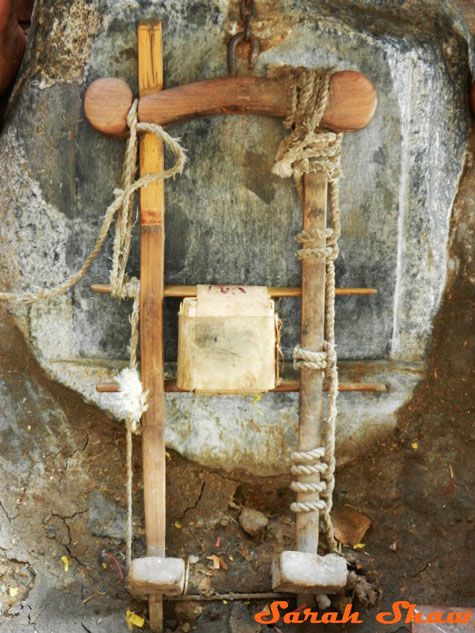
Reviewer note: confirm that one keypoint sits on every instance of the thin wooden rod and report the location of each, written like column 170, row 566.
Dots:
column 267, row 595
column 274, row 291
column 285, row 385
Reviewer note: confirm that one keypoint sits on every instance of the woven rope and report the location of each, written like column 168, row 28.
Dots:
column 307, row 149
column 304, row 358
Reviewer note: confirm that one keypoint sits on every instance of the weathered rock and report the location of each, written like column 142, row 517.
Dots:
column 106, row 518
column 156, row 574
column 401, row 173
column 188, row 610
column 253, row 522
column 301, row 572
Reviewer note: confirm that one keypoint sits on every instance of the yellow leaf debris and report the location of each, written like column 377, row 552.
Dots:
column 217, row 562
column 133, row 619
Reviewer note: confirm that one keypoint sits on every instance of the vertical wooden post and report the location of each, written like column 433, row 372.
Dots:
column 311, row 337
column 152, row 246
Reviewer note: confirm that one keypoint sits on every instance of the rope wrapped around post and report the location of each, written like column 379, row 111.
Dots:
column 132, row 401
column 309, row 149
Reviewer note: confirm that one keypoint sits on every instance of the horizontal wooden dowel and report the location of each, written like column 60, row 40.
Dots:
column 351, row 105
column 274, row 291
column 285, row 385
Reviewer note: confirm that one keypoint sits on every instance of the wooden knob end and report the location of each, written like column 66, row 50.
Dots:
column 106, row 105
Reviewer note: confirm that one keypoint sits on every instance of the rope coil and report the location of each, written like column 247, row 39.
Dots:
column 308, row 463
column 307, row 149
column 306, row 359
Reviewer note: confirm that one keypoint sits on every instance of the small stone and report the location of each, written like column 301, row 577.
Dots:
column 323, row 601
column 188, row 610
column 252, row 521
column 106, row 518
column 393, row 547
column 51, row 532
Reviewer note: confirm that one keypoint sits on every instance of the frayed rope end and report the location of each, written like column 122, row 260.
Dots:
column 131, row 399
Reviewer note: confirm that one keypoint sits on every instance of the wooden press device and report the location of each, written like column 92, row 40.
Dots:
column 351, row 106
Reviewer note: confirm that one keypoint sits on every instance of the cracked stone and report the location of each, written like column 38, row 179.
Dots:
column 106, row 518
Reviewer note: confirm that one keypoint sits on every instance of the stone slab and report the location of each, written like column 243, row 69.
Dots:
column 155, row 574
column 228, row 219
column 301, row 572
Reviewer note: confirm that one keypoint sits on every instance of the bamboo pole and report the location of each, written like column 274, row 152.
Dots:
column 152, row 247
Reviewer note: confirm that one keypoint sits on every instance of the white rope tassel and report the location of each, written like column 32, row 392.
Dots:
column 131, row 399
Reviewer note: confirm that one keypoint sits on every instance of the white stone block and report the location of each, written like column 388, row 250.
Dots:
column 299, row 572
column 155, row 574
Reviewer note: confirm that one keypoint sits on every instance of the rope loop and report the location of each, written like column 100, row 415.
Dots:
column 309, row 148
column 320, row 253
column 316, row 234
column 308, row 506
column 299, row 457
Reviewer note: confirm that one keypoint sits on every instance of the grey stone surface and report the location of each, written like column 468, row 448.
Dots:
column 228, row 219
column 105, row 517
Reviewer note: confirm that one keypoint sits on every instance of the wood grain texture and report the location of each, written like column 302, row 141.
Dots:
column 285, row 385
column 109, row 111
column 274, row 291
column 351, row 106
column 152, row 247
column 311, row 338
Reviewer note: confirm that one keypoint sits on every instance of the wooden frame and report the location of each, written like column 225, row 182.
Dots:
column 351, row 106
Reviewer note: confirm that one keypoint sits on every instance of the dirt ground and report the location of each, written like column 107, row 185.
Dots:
column 62, row 496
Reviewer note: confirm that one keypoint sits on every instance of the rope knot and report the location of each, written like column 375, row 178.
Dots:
column 307, row 148
column 306, row 359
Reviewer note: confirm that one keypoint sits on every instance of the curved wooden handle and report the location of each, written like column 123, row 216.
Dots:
column 351, row 105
